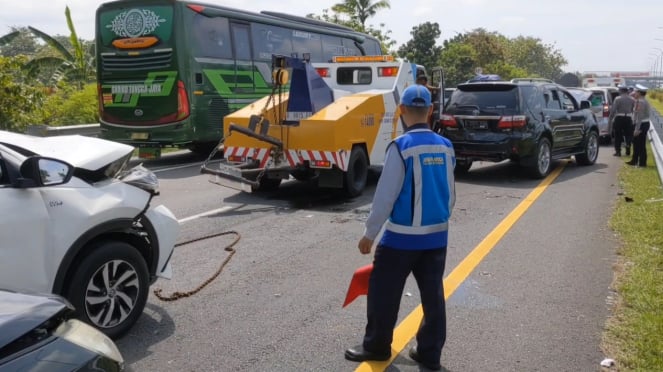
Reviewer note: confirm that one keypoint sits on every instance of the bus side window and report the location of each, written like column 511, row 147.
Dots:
column 350, row 48
column 307, row 42
column 211, row 37
column 268, row 40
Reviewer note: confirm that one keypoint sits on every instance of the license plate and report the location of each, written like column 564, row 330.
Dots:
column 140, row 136
column 477, row 124
column 149, row 152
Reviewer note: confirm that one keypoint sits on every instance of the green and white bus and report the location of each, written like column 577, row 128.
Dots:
column 170, row 70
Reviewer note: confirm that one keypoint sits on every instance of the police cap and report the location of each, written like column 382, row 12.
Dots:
column 641, row 88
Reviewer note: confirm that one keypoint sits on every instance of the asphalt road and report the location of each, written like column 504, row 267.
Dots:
column 537, row 302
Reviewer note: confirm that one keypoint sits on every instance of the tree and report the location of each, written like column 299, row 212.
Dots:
column 18, row 42
column 360, row 10
column 17, row 99
column 537, row 58
column 383, row 35
column 77, row 67
column 422, row 48
column 496, row 54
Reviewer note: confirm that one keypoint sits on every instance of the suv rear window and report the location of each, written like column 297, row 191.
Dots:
column 490, row 99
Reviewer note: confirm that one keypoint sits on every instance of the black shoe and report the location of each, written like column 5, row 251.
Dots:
column 631, row 163
column 617, row 154
column 417, row 358
column 358, row 354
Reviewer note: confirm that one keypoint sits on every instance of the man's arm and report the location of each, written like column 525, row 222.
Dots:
column 386, row 192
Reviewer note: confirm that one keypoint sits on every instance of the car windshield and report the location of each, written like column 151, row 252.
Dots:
column 489, row 99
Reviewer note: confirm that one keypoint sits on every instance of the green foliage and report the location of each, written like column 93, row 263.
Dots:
column 496, row 54
column 69, row 106
column 17, row 99
column 633, row 334
column 360, row 10
column 422, row 48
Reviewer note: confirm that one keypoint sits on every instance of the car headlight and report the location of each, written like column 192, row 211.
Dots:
column 142, row 178
column 85, row 336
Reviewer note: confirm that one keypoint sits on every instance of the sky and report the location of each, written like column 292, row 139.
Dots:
column 593, row 35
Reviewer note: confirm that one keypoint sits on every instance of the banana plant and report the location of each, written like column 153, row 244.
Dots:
column 77, row 67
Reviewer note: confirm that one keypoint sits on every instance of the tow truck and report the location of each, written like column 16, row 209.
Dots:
column 330, row 123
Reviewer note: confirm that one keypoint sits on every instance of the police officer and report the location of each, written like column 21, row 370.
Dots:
column 641, row 122
column 621, row 112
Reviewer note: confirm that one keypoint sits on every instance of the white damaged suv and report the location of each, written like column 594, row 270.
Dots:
column 75, row 222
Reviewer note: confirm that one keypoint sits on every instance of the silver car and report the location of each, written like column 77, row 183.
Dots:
column 601, row 99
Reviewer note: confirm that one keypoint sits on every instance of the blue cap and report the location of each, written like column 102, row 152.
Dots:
column 416, row 96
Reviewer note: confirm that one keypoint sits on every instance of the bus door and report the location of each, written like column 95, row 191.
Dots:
column 244, row 71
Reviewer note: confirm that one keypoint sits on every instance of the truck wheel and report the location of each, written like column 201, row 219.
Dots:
column 543, row 159
column 109, row 287
column 355, row 178
column 591, row 152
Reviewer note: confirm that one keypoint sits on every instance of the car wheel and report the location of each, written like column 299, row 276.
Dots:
column 357, row 173
column 543, row 159
column 109, row 287
column 588, row 157
column 462, row 166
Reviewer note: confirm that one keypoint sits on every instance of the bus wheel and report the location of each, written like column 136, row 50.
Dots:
column 357, row 174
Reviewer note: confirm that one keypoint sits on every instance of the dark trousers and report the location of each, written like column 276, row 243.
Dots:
column 640, row 146
column 391, row 268
column 623, row 133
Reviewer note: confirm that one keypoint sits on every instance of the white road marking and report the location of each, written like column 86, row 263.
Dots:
column 205, row 214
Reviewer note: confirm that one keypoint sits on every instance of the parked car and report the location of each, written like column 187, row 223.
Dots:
column 530, row 122
column 38, row 333
column 608, row 95
column 600, row 106
column 74, row 222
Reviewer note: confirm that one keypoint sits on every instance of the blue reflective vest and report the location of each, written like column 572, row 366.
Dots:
column 419, row 218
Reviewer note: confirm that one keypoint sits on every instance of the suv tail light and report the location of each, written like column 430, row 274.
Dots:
column 606, row 111
column 512, row 122
column 448, row 121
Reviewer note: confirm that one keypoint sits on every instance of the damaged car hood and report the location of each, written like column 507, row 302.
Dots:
column 88, row 153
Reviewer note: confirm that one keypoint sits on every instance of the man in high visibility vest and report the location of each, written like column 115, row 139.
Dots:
column 414, row 196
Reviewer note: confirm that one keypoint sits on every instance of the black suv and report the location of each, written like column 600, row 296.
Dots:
column 528, row 121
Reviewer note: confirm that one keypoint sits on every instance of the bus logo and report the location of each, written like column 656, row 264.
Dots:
column 135, row 23
column 138, row 112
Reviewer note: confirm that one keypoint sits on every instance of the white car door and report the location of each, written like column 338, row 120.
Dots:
column 23, row 234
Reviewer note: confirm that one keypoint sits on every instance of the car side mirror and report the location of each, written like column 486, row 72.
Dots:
column 39, row 171
column 585, row 105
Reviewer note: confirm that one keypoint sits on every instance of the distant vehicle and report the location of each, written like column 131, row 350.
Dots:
column 529, row 122
column 601, row 100
column 170, row 71
column 602, row 81
column 75, row 222
column 38, row 333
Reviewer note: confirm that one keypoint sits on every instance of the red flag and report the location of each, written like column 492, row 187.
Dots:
column 358, row 284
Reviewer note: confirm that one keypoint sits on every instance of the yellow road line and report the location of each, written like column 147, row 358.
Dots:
column 407, row 329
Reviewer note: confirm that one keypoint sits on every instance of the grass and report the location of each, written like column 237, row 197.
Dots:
column 634, row 334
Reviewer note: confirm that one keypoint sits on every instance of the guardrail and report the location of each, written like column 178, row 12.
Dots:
column 655, row 140
column 41, row 130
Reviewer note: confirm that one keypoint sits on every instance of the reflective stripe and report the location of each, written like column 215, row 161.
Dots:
column 417, row 230
column 427, row 149
column 417, row 208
